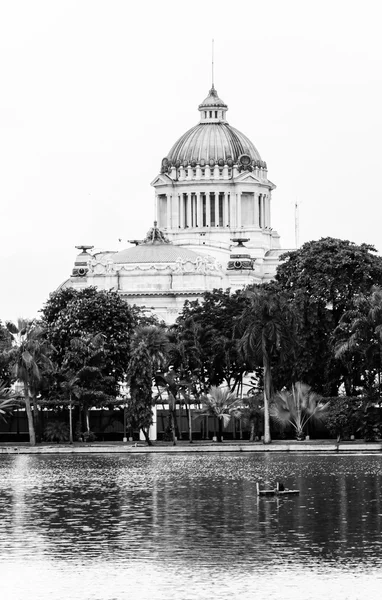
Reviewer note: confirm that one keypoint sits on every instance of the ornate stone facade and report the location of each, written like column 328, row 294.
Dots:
column 213, row 189
column 213, row 206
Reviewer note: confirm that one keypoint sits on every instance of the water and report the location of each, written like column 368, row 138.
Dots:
column 115, row 527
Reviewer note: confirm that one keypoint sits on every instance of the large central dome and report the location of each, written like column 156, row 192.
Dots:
column 212, row 141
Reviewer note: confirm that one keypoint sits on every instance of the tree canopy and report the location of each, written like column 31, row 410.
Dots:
column 76, row 314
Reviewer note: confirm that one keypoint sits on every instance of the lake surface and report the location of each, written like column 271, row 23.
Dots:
column 115, row 527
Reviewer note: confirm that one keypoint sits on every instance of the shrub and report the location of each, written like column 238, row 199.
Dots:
column 56, row 431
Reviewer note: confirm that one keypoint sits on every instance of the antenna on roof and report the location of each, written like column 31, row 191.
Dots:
column 296, row 224
column 212, row 63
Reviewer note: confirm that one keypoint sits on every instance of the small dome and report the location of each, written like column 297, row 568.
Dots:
column 154, row 253
column 155, row 248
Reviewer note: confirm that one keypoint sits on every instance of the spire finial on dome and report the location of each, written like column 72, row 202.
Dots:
column 213, row 87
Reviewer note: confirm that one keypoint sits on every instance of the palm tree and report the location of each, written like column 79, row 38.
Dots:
column 82, row 370
column 266, row 326
column 29, row 357
column 250, row 412
column 297, row 407
column 219, row 403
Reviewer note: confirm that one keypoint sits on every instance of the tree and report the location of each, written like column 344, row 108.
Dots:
column 6, row 340
column 81, row 376
column 322, row 278
column 297, row 407
column 250, row 413
column 205, row 339
column 219, row 403
column 267, row 330
column 359, row 340
column 82, row 314
column 29, row 357
column 174, row 388
column 343, row 416
column 149, row 349
column 7, row 401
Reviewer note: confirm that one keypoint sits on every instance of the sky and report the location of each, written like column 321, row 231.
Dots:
column 94, row 93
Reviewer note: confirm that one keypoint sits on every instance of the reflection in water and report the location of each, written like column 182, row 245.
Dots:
column 191, row 526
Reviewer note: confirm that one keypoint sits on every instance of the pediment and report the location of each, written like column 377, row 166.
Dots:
column 248, row 177
column 161, row 179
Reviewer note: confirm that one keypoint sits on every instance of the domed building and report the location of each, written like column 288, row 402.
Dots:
column 213, row 228
column 213, row 189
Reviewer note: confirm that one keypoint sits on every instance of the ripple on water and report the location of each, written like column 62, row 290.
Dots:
column 165, row 520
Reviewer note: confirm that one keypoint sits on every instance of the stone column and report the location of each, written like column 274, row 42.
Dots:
column 156, row 211
column 264, row 213
column 199, row 212
column 238, row 196
column 208, row 210
column 188, row 204
column 256, row 200
column 226, row 210
column 175, row 211
column 181, row 211
column 169, row 212
column 232, row 210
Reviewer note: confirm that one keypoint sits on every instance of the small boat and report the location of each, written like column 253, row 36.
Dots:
column 279, row 490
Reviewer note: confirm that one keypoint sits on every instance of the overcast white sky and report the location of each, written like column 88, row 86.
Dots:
column 93, row 94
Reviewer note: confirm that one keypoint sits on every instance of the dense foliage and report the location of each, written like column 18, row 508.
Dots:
column 323, row 278
column 319, row 323
column 71, row 315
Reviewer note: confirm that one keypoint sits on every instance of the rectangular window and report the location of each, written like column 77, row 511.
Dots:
column 210, row 114
column 204, row 210
column 216, row 114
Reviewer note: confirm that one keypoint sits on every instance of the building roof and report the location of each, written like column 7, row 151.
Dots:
column 156, row 252
column 211, row 141
column 212, row 100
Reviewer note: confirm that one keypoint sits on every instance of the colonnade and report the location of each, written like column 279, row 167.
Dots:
column 213, row 209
